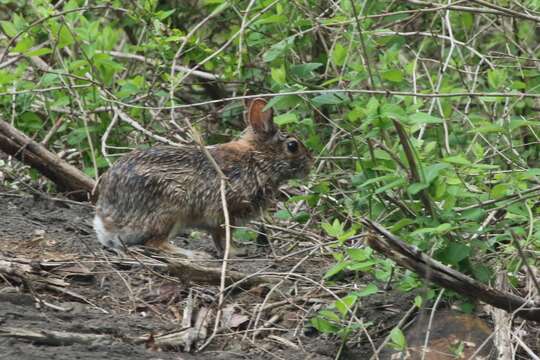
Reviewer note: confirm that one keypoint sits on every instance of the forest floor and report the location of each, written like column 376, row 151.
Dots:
column 67, row 298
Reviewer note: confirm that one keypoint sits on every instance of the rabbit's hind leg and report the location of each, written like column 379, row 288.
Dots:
column 169, row 248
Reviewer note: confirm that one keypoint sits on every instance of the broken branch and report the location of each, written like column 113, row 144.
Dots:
column 413, row 259
column 67, row 177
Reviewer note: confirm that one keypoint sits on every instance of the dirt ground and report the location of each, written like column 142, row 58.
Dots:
column 71, row 299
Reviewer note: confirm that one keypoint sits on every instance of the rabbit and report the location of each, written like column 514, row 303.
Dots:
column 148, row 196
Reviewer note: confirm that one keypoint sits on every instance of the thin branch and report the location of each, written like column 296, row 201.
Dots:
column 363, row 45
column 179, row 68
column 333, row 91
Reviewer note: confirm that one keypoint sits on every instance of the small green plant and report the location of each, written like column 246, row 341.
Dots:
column 336, row 318
column 397, row 340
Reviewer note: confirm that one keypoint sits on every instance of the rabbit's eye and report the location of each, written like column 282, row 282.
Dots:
column 292, row 146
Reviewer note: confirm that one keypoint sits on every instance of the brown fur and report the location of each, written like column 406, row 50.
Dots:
column 148, row 195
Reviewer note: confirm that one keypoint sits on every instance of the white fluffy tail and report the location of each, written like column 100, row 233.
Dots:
column 105, row 237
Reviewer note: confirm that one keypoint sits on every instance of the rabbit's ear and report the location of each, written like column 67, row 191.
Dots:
column 261, row 121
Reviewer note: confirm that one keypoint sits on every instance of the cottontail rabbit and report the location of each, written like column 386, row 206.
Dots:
column 149, row 195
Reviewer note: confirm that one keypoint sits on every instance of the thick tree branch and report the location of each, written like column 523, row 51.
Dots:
column 413, row 259
column 65, row 176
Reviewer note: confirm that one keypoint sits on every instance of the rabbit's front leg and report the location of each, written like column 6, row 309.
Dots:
column 163, row 244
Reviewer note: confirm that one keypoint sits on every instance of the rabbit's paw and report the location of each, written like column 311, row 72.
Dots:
column 189, row 254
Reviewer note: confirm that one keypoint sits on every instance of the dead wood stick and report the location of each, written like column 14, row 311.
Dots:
column 432, row 270
column 55, row 338
column 188, row 271
column 65, row 176
column 187, row 336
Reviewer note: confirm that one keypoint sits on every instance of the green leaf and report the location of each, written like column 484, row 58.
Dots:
column 89, row 171
column 516, row 123
column 497, row 78
column 438, row 230
column 278, row 49
column 401, row 224
column 457, row 159
column 356, row 114
column 101, row 162
column 244, row 235
column 283, row 214
column 443, row 228
column 39, row 52
column 455, row 252
column 393, row 76
column 304, row 71
column 474, row 214
column 518, row 85
column 531, row 172
column 8, row 28
column 391, row 185
column 279, row 75
column 302, row 217
column 6, row 77
column 370, row 289
column 272, row 19
column 416, row 188
column 398, row 339
column 344, row 305
column 393, row 111
column 359, row 254
column 378, row 179
column 223, row 5
column 424, row 118
column 329, row 99
column 106, row 62
column 73, row 16
column 162, row 15
column 65, row 38
column 334, row 270
column 76, row 136
column 24, row 44
column 339, row 54
column 346, row 235
column 362, row 266
column 372, row 106
column 284, row 102
column 487, row 129
column 30, row 121
column 335, row 230
column 433, row 171
column 322, row 325
column 330, row 315
column 288, row 118
column 482, row 273
column 499, row 190
column 418, row 300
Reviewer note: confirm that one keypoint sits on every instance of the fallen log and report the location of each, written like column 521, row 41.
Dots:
column 413, row 259
column 56, row 338
column 182, row 269
column 67, row 177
